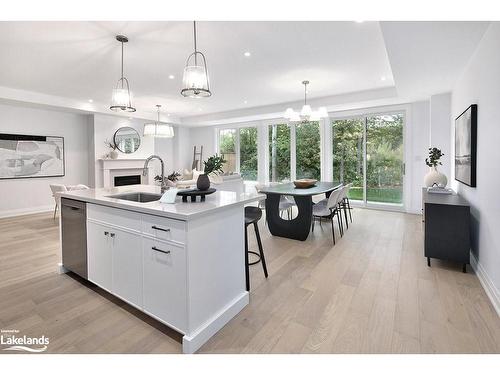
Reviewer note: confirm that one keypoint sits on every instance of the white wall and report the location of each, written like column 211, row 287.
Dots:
column 480, row 84
column 440, row 129
column 104, row 127
column 33, row 194
column 417, row 145
column 202, row 136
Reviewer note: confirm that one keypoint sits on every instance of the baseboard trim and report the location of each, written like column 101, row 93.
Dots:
column 26, row 211
column 191, row 343
column 488, row 286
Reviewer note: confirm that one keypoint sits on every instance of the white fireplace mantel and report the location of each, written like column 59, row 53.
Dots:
column 112, row 168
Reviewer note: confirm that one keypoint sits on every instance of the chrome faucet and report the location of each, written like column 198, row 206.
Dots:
column 145, row 170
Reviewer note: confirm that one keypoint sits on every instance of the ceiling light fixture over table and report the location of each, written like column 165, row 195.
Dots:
column 157, row 129
column 122, row 97
column 195, row 81
column 306, row 114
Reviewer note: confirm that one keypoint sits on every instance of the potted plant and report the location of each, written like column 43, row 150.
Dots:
column 113, row 154
column 171, row 179
column 434, row 177
column 213, row 165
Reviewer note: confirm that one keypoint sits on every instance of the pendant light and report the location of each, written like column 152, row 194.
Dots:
column 157, row 129
column 306, row 114
column 122, row 97
column 195, row 80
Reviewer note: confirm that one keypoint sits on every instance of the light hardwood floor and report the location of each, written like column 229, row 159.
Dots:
column 370, row 293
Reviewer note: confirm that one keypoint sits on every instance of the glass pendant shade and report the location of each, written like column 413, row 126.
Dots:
column 121, row 99
column 157, row 129
column 195, row 81
column 306, row 114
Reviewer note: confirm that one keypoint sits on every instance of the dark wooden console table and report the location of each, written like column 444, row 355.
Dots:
column 447, row 227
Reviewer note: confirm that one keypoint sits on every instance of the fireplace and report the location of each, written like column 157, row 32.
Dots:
column 127, row 180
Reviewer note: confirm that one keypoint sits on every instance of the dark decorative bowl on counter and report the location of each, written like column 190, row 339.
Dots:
column 203, row 182
column 305, row 183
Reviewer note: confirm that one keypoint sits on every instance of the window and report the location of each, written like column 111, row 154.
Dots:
column 227, row 149
column 368, row 152
column 308, row 159
column 347, row 136
column 248, row 153
column 279, row 152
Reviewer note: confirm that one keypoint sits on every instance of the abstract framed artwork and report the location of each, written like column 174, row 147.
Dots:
column 466, row 146
column 31, row 156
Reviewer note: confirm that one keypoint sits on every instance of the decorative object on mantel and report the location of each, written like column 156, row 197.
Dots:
column 213, row 165
column 305, row 183
column 113, row 154
column 306, row 114
column 127, row 140
column 195, row 80
column 193, row 193
column 434, row 177
column 466, row 146
column 122, row 97
column 158, row 129
column 170, row 180
column 23, row 156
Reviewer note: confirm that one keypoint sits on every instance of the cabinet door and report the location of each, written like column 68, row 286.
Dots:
column 99, row 255
column 127, row 266
column 165, row 282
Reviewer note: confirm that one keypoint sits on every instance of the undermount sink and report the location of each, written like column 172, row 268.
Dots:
column 138, row 197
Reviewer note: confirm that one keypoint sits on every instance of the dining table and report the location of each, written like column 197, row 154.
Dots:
column 296, row 228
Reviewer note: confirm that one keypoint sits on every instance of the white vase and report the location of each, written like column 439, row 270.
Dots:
column 113, row 154
column 435, row 178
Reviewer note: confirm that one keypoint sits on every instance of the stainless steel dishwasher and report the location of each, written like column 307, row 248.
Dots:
column 74, row 236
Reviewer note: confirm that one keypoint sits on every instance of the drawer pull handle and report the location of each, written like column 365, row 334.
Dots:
column 112, row 234
column 162, row 229
column 161, row 251
column 106, row 233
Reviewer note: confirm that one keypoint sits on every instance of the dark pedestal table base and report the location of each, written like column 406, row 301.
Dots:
column 296, row 229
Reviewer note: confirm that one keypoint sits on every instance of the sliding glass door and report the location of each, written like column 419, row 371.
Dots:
column 368, row 152
column 384, row 159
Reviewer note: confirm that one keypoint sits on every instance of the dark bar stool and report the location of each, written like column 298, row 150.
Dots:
column 252, row 216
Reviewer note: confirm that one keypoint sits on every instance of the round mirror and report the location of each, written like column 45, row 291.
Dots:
column 127, row 140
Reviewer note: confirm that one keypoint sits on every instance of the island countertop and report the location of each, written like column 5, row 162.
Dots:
column 227, row 195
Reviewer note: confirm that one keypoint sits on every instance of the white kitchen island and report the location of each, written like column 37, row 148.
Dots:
column 182, row 263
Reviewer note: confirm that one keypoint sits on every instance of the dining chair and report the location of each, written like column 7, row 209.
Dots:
column 328, row 209
column 285, row 203
column 346, row 205
column 56, row 189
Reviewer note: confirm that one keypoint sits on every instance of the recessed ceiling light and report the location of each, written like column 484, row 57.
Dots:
column 199, row 109
column 247, row 54
column 383, row 78
column 168, row 114
column 171, row 76
column 91, row 101
column 359, row 21
column 245, row 101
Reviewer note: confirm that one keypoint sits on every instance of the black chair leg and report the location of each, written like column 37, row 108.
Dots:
column 349, row 206
column 247, row 271
column 345, row 214
column 261, row 250
column 313, row 223
column 339, row 220
column 333, row 232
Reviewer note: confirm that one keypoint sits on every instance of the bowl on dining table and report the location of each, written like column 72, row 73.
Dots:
column 305, row 183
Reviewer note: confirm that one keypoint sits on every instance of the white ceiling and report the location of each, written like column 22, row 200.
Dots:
column 80, row 60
